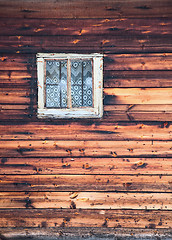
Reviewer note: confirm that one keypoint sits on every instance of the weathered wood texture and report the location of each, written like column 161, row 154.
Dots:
column 85, row 9
column 86, row 27
column 86, row 233
column 105, row 35
column 144, row 72
column 85, row 35
column 113, row 172
column 85, row 165
column 118, row 183
column 85, row 148
column 159, row 131
column 99, row 43
column 86, row 200
column 85, row 218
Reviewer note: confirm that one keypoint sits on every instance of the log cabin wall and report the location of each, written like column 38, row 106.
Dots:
column 113, row 172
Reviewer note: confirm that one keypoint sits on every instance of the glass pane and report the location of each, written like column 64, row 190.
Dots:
column 81, row 83
column 87, row 84
column 56, row 84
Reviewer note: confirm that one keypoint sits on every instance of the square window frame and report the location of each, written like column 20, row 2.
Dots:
column 86, row 112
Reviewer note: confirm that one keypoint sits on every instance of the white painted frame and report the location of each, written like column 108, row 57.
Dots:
column 87, row 112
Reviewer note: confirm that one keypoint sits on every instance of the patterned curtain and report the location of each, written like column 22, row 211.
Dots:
column 81, row 83
column 56, row 84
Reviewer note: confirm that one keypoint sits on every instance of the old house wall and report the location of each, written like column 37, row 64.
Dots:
column 110, row 172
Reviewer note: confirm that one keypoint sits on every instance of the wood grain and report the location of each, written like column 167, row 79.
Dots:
column 49, row 148
column 126, row 183
column 79, row 26
column 85, row 9
column 143, row 79
column 138, row 62
column 86, row 200
column 132, row 112
column 70, row 232
column 85, row 165
column 140, row 95
column 99, row 43
column 114, row 172
column 85, row 218
column 93, row 131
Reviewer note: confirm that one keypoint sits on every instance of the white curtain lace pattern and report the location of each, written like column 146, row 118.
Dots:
column 56, row 84
column 81, row 84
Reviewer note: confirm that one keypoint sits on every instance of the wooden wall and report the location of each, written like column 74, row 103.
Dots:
column 114, row 172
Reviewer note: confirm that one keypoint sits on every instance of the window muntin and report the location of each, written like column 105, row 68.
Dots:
column 70, row 85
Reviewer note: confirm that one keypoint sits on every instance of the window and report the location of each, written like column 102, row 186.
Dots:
column 70, row 85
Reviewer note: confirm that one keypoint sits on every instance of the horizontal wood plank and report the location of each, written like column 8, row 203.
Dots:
column 132, row 112
column 131, row 108
column 142, row 78
column 93, row 131
column 84, row 232
column 18, row 98
column 79, row 26
column 49, row 148
column 15, row 76
column 87, row 200
column 99, row 43
column 84, row 165
column 140, row 95
column 138, row 116
column 138, row 62
column 85, row 9
column 127, row 183
column 85, row 218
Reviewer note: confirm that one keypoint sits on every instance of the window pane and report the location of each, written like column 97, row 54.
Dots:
column 56, row 84
column 87, row 84
column 81, row 83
